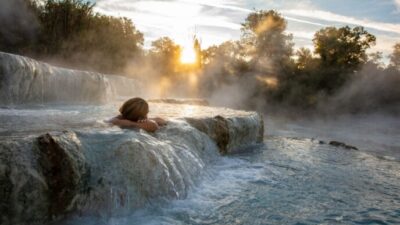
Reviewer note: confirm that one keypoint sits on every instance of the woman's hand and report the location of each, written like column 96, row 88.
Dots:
column 143, row 120
column 122, row 122
column 147, row 125
column 160, row 121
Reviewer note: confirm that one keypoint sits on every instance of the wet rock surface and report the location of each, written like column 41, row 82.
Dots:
column 216, row 128
column 231, row 133
column 64, row 168
column 23, row 191
column 342, row 145
column 93, row 168
column 44, row 178
column 40, row 178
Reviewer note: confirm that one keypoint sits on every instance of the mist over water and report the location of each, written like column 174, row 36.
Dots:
column 17, row 23
column 294, row 176
column 284, row 181
column 377, row 134
column 177, row 176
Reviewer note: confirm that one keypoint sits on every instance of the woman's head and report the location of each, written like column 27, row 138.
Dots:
column 134, row 109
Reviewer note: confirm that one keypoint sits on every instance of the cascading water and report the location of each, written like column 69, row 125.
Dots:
column 60, row 159
column 24, row 80
column 63, row 164
column 96, row 169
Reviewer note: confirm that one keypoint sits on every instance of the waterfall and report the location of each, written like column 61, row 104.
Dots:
column 24, row 80
column 111, row 171
column 59, row 160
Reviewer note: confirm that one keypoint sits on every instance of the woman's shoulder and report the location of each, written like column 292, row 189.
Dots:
column 113, row 119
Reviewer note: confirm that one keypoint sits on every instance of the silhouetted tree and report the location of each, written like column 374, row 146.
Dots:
column 305, row 60
column 262, row 63
column 165, row 55
column 71, row 34
column 342, row 52
column 19, row 25
column 343, row 48
column 268, row 46
column 395, row 57
column 197, row 50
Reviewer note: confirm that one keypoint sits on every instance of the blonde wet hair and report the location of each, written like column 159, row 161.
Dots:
column 134, row 109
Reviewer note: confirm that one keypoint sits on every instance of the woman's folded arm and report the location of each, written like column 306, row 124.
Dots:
column 147, row 125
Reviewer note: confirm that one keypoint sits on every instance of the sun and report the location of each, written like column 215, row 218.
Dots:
column 188, row 55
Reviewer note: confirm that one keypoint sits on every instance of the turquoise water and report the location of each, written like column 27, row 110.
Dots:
column 284, row 181
column 290, row 179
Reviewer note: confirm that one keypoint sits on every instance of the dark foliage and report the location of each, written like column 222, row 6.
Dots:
column 261, row 69
column 68, row 32
column 337, row 76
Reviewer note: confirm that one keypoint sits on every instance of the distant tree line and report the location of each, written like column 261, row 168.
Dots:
column 262, row 65
column 71, row 33
column 337, row 75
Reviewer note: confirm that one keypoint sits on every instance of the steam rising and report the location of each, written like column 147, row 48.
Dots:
column 372, row 90
column 17, row 22
column 258, row 72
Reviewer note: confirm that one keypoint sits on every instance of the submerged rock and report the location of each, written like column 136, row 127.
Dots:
column 342, row 145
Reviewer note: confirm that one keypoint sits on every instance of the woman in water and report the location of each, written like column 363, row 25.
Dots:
column 134, row 115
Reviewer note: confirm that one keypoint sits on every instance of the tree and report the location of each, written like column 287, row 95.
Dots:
column 73, row 33
column 70, row 33
column 395, row 56
column 342, row 51
column 165, row 54
column 269, row 47
column 226, row 59
column 61, row 21
column 197, row 50
column 375, row 60
column 343, row 48
column 19, row 25
column 305, row 60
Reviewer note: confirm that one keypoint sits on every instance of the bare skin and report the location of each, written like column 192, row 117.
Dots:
column 149, row 125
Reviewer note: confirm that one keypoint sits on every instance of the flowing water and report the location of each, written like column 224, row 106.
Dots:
column 287, row 180
column 176, row 176
column 24, row 81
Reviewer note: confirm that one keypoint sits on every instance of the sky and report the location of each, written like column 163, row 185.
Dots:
column 216, row 21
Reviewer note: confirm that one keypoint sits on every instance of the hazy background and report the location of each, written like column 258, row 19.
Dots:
column 296, row 58
column 216, row 21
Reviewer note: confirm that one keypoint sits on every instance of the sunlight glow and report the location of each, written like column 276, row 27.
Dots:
column 216, row 21
column 188, row 55
column 189, row 110
column 161, row 89
column 270, row 81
